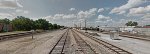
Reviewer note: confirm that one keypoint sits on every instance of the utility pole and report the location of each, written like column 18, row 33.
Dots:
column 80, row 24
column 85, row 26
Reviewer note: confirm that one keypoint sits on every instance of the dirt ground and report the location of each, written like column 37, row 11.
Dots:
column 41, row 44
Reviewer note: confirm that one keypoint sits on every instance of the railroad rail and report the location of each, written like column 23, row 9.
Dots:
column 111, row 47
column 139, row 38
column 85, row 48
column 10, row 36
column 59, row 47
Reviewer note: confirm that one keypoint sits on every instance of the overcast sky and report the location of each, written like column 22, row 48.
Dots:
column 69, row 12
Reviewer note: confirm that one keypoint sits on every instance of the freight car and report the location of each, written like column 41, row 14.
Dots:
column 1, row 27
column 6, row 28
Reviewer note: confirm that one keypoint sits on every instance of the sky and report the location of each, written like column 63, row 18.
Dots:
column 70, row 12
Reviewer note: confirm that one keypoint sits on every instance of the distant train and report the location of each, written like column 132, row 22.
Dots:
column 6, row 27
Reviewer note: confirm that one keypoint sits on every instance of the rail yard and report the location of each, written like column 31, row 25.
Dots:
column 70, row 41
column 74, row 26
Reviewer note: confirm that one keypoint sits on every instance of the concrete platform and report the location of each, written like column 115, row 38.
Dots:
column 134, row 46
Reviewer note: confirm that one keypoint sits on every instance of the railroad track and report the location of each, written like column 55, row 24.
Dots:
column 139, row 38
column 5, row 37
column 11, row 36
column 59, row 47
column 84, row 47
column 111, row 47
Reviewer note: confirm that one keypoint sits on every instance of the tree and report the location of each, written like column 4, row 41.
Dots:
column 147, row 25
column 42, row 24
column 55, row 26
column 23, row 23
column 5, row 21
column 130, row 23
column 50, row 26
column 135, row 23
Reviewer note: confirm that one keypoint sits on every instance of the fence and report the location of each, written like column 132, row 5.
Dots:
column 140, row 31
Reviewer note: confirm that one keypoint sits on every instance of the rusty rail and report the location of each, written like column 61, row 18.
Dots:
column 58, row 48
column 114, row 48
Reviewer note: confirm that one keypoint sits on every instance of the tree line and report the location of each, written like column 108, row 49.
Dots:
column 21, row 23
column 131, row 23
